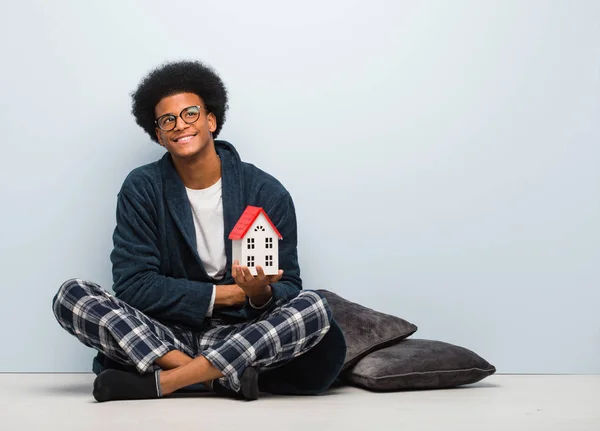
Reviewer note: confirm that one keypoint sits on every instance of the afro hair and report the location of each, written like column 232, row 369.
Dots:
column 174, row 78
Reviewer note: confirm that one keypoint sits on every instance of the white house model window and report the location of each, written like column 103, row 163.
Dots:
column 254, row 241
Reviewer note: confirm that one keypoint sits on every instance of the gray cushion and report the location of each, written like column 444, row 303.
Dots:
column 419, row 364
column 365, row 330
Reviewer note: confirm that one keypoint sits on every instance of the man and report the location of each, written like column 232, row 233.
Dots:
column 183, row 313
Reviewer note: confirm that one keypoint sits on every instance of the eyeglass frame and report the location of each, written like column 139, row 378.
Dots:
column 200, row 108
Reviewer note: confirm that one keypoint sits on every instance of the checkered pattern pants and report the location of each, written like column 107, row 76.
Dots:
column 126, row 335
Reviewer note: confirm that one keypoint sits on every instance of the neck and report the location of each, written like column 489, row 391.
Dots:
column 201, row 171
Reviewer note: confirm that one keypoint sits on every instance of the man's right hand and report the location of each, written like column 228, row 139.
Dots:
column 229, row 295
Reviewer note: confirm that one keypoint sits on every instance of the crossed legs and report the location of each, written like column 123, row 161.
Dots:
column 229, row 355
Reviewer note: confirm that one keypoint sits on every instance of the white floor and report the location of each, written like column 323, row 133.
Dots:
column 501, row 402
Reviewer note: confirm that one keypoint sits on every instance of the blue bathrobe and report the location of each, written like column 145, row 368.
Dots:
column 157, row 269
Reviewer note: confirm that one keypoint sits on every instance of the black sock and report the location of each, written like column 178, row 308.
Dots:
column 120, row 385
column 249, row 383
column 248, row 390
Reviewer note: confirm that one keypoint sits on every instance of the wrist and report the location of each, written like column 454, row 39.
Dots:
column 262, row 298
column 229, row 295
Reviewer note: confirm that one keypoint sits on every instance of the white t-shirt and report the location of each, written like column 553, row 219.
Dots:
column 207, row 212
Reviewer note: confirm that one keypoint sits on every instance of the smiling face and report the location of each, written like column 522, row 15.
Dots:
column 185, row 141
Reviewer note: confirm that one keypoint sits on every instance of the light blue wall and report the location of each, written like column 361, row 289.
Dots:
column 444, row 157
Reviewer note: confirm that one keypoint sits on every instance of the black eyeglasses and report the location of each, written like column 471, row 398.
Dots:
column 189, row 115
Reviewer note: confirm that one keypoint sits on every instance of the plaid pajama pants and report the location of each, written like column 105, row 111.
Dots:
column 126, row 335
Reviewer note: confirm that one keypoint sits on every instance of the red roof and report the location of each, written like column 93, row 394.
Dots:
column 245, row 222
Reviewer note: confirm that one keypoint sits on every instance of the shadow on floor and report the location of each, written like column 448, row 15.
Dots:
column 471, row 387
column 85, row 389
column 69, row 390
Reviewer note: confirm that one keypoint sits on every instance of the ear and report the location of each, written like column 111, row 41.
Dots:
column 159, row 136
column 212, row 122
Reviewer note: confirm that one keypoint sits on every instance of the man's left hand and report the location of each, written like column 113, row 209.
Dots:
column 256, row 287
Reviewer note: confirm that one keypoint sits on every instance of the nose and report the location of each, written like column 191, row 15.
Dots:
column 180, row 124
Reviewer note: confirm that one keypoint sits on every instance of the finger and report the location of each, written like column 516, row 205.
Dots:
column 277, row 277
column 239, row 270
column 260, row 273
column 238, row 280
column 245, row 273
column 249, row 276
column 237, row 273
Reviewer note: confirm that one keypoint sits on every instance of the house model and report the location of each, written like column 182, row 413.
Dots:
column 255, row 241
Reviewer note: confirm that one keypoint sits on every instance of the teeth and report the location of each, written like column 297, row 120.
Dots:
column 184, row 139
